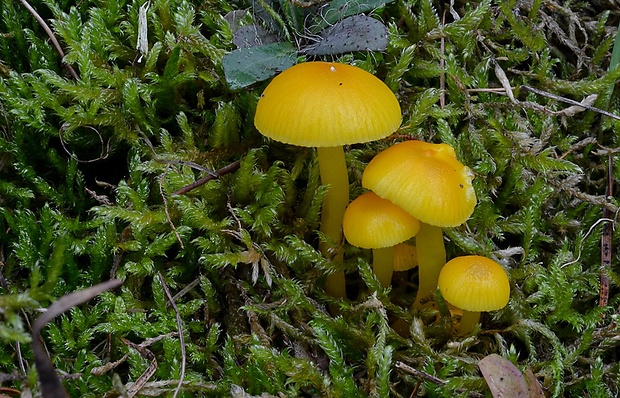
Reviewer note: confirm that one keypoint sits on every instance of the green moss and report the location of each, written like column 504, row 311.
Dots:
column 90, row 171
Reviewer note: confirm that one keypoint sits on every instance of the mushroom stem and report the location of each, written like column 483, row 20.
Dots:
column 383, row 265
column 431, row 257
column 469, row 320
column 333, row 169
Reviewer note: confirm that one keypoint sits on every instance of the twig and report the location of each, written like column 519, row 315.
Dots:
column 442, row 63
column 432, row 379
column 50, row 34
column 102, row 199
column 188, row 163
column 606, row 239
column 148, row 372
column 9, row 390
column 159, row 388
column 569, row 101
column 176, row 162
column 224, row 170
column 105, row 368
column 578, row 146
column 498, row 90
column 180, row 330
column 186, row 289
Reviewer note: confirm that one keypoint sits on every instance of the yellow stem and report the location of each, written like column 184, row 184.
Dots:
column 333, row 169
column 383, row 264
column 431, row 258
column 469, row 320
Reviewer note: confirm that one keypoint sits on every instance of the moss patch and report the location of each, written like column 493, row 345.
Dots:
column 94, row 176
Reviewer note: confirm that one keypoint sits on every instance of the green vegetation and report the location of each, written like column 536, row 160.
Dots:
column 91, row 168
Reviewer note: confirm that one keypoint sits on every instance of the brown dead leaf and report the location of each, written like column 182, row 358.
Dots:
column 505, row 380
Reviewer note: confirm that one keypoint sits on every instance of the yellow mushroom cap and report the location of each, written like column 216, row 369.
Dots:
column 405, row 257
column 373, row 223
column 326, row 104
column 426, row 180
column 474, row 283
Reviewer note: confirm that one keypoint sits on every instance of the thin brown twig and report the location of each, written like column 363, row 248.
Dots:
column 442, row 62
column 136, row 387
column 569, row 101
column 431, row 378
column 606, row 239
column 498, row 90
column 52, row 37
column 105, row 368
column 180, row 330
column 224, row 170
column 186, row 289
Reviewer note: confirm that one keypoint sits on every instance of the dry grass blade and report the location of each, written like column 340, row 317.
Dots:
column 105, row 368
column 51, row 35
column 224, row 170
column 503, row 79
column 135, row 388
column 606, row 248
column 180, row 330
column 428, row 377
column 569, row 101
column 51, row 386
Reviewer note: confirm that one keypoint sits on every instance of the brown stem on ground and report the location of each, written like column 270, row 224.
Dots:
column 51, row 35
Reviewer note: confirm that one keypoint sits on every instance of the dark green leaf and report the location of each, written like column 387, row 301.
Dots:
column 247, row 66
column 356, row 33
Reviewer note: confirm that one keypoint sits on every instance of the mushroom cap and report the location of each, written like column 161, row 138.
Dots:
column 474, row 283
column 326, row 104
column 373, row 223
column 426, row 180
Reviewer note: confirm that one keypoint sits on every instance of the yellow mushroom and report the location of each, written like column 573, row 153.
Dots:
column 405, row 257
column 328, row 105
column 474, row 284
column 428, row 182
column 378, row 224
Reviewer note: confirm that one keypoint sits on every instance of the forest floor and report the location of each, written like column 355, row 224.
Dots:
column 129, row 155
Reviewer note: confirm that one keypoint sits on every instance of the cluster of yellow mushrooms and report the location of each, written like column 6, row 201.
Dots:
column 414, row 188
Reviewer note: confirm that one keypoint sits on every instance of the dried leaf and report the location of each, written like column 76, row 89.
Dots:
column 575, row 109
column 503, row 378
column 501, row 76
column 142, row 44
column 533, row 386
